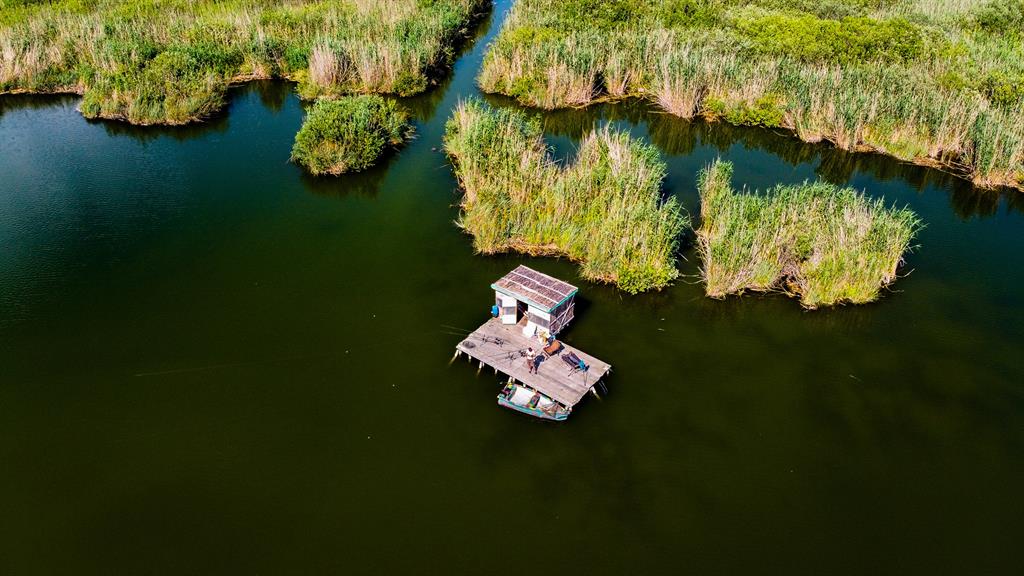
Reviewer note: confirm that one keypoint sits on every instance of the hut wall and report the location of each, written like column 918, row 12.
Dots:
column 508, row 308
column 539, row 317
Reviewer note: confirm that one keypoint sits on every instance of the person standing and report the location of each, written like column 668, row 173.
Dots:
column 531, row 357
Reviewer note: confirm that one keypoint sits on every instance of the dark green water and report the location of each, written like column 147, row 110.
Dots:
column 212, row 364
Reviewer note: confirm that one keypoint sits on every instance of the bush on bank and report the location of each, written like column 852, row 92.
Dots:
column 349, row 134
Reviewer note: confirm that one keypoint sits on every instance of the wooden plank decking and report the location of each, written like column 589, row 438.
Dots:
column 500, row 346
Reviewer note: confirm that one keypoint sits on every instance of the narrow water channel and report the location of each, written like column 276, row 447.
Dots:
column 211, row 363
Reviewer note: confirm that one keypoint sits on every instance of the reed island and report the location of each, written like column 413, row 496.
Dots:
column 603, row 210
column 349, row 134
column 938, row 83
column 171, row 61
column 824, row 244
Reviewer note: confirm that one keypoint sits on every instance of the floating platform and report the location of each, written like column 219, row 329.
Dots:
column 503, row 348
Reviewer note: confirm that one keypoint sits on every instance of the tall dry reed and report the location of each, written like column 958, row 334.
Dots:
column 823, row 244
column 171, row 61
column 935, row 83
column 604, row 210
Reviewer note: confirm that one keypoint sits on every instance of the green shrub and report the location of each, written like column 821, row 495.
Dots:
column 690, row 13
column 766, row 111
column 1002, row 17
column 1004, row 89
column 602, row 14
column 833, row 9
column 713, row 108
column 349, row 134
column 850, row 40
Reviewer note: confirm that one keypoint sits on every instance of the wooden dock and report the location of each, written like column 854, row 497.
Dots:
column 503, row 348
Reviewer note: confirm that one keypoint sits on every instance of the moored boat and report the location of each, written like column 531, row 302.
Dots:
column 532, row 402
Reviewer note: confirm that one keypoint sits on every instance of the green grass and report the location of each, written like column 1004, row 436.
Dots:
column 349, row 134
column 171, row 61
column 939, row 82
column 604, row 210
column 824, row 244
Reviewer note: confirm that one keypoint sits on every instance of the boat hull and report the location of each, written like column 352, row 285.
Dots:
column 535, row 412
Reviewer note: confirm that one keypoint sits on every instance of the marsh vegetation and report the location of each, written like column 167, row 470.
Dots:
column 940, row 83
column 171, row 61
column 349, row 134
column 825, row 244
column 603, row 210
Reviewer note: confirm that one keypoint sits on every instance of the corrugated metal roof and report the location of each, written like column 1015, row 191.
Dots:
column 532, row 287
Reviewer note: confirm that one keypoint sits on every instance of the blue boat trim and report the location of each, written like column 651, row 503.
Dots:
column 558, row 417
column 555, row 411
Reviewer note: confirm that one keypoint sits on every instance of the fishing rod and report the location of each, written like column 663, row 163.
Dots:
column 457, row 331
column 466, row 330
column 507, row 354
column 481, row 337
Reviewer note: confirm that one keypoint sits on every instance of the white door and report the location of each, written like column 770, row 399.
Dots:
column 508, row 310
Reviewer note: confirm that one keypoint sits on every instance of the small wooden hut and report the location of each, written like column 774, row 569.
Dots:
column 539, row 302
column 530, row 309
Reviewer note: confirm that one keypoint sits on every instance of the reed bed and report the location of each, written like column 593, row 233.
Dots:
column 349, row 134
column 938, row 83
column 604, row 210
column 171, row 61
column 823, row 244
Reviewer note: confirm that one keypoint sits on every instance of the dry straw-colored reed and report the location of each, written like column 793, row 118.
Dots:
column 824, row 244
column 603, row 210
column 939, row 83
column 171, row 61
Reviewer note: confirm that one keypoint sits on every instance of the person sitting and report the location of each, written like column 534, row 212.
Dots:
column 534, row 400
column 553, row 348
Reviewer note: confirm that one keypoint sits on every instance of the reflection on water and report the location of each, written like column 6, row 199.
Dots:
column 674, row 136
column 424, row 106
column 365, row 183
column 970, row 202
column 10, row 102
column 273, row 95
column 217, row 123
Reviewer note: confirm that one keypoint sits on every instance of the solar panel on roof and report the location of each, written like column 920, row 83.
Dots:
column 536, row 287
